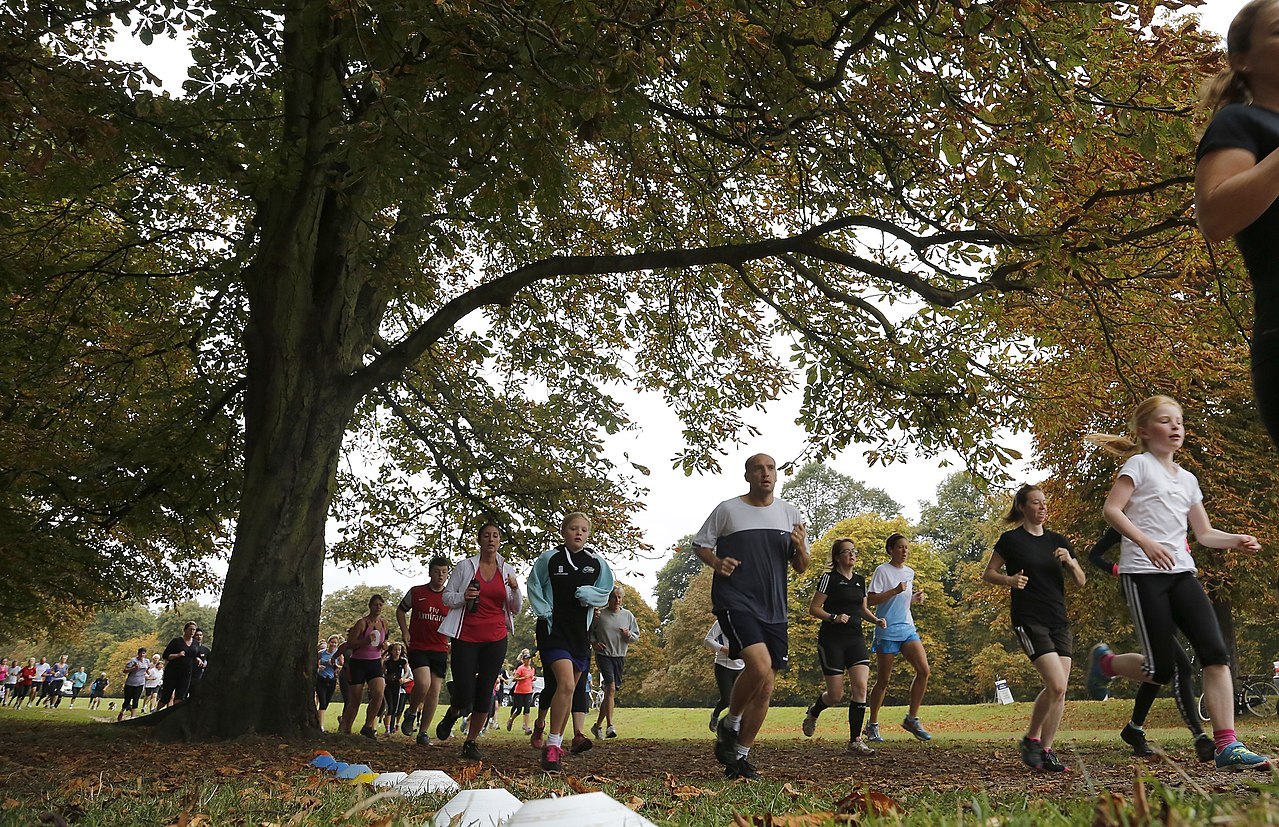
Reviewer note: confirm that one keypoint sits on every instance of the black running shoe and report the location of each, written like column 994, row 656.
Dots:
column 725, row 744
column 741, row 768
column 1136, row 738
column 1051, row 763
column 1205, row 749
column 471, row 751
column 410, row 720
column 1032, row 753
column 445, row 727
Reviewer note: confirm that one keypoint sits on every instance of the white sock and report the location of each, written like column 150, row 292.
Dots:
column 742, row 752
column 555, row 740
column 733, row 721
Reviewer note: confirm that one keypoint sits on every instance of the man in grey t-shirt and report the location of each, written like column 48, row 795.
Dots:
column 612, row 632
column 748, row 541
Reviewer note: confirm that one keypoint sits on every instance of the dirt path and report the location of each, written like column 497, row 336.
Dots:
column 34, row 757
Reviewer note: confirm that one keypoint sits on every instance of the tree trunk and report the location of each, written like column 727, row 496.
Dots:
column 261, row 674
column 312, row 315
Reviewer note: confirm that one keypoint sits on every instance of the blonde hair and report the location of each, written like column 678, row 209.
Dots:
column 1131, row 443
column 1230, row 86
column 576, row 515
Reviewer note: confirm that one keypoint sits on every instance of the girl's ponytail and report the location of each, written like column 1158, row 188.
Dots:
column 1224, row 88
column 1230, row 85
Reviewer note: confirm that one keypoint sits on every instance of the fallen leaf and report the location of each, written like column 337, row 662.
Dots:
column 801, row 820
column 791, row 791
column 579, row 786
column 684, row 791
column 469, row 773
column 868, row 802
column 635, row 803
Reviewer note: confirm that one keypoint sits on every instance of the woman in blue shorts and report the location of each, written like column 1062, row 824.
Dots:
column 892, row 593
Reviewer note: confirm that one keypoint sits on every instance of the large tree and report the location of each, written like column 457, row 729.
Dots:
column 438, row 235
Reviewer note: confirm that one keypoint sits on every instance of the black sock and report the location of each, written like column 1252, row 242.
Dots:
column 856, row 714
column 817, row 707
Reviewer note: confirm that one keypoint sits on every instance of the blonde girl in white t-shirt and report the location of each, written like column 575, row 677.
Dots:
column 1150, row 505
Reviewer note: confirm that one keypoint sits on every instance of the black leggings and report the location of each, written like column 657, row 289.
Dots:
column 1160, row 605
column 391, row 700
column 324, row 690
column 1183, row 692
column 724, row 679
column 475, row 668
column 1265, row 379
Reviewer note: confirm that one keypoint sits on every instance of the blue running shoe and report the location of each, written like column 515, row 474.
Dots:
column 1238, row 757
column 1097, row 684
column 914, row 727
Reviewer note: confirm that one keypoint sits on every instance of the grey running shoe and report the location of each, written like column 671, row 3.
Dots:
column 859, row 747
column 423, row 740
column 810, row 724
column 872, row 734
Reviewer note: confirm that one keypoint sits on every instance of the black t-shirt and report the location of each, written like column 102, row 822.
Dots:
column 1043, row 601
column 844, row 595
column 566, row 571
column 1255, row 129
column 179, row 667
column 395, row 670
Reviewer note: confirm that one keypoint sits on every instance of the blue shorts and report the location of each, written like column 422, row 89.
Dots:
column 891, row 647
column 742, row 629
column 580, row 664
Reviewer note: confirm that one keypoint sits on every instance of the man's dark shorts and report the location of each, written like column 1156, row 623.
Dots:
column 610, row 670
column 438, row 661
column 743, row 629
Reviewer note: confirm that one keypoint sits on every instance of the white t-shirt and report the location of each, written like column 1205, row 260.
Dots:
column 154, row 675
column 715, row 641
column 137, row 669
column 1160, row 503
column 896, row 610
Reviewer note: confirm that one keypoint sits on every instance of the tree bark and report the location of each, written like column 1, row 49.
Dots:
column 312, row 317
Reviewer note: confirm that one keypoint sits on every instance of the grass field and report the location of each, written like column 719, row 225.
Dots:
column 67, row 764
